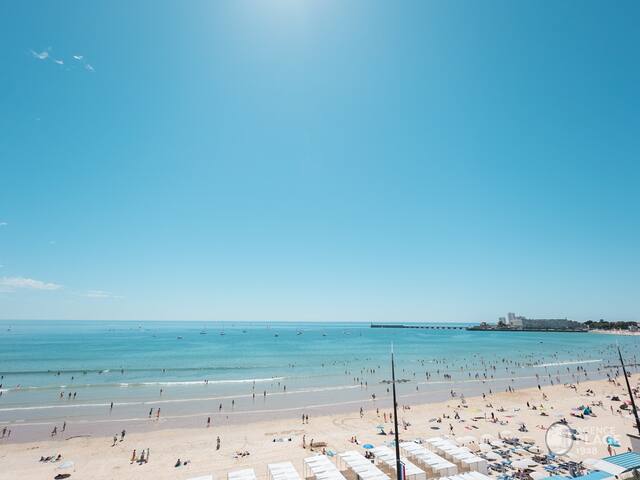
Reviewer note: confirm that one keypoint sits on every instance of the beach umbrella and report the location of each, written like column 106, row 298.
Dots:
column 535, row 449
column 473, row 447
column 506, row 434
column 485, row 447
column 367, row 446
column 613, row 442
column 492, row 456
column 467, row 439
column 67, row 464
column 487, row 437
column 522, row 464
column 539, row 475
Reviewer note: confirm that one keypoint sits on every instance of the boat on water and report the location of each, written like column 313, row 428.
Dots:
column 179, row 338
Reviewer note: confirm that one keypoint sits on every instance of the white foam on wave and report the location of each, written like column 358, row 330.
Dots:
column 570, row 362
column 215, row 382
column 176, row 400
column 146, row 384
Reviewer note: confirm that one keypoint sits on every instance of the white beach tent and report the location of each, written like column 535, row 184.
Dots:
column 282, row 471
column 388, row 458
column 246, row 474
column 468, row 476
column 461, row 456
column 432, row 463
column 354, row 463
column 608, row 467
column 319, row 467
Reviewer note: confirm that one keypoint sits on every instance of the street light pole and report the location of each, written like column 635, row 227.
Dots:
column 399, row 466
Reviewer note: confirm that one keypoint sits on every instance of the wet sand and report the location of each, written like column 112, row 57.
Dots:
column 190, row 439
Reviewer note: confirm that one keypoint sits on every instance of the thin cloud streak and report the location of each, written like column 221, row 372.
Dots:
column 40, row 56
column 101, row 294
column 12, row 283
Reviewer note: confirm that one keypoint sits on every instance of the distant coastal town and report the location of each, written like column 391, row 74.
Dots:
column 517, row 323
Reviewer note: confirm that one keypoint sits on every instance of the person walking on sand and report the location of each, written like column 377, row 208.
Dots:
column 208, row 422
column 158, row 414
column 150, row 412
column 304, row 441
column 64, row 426
column 218, row 443
column 115, row 440
column 133, row 456
column 54, row 432
column 122, row 434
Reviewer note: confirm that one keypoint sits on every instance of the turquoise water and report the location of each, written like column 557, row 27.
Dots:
column 277, row 367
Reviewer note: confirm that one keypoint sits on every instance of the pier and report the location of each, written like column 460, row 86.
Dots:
column 422, row 327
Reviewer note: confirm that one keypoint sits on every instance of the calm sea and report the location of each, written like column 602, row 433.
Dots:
column 239, row 370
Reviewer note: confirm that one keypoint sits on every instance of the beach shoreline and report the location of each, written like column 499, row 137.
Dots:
column 267, row 438
column 616, row 332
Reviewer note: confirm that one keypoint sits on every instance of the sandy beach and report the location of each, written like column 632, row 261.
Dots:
column 632, row 333
column 275, row 440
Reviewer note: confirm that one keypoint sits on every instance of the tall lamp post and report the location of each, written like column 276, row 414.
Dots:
column 399, row 465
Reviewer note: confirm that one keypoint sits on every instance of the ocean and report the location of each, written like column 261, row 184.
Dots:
column 237, row 372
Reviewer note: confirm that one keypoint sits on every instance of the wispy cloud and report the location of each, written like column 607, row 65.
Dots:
column 13, row 283
column 100, row 294
column 3, row 224
column 40, row 56
column 79, row 60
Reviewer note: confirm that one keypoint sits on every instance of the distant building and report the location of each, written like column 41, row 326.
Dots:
column 518, row 322
column 551, row 323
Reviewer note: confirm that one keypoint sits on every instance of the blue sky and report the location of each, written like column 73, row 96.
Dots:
column 325, row 160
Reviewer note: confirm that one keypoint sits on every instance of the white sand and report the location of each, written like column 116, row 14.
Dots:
column 95, row 458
